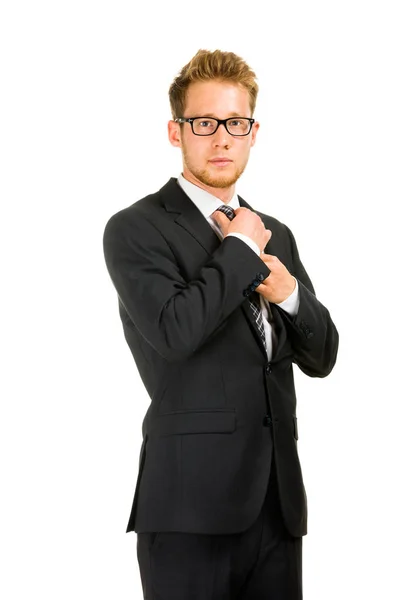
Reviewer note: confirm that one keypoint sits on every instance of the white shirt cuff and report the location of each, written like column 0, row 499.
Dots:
column 292, row 303
column 247, row 240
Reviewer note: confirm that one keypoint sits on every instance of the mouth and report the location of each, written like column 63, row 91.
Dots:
column 220, row 162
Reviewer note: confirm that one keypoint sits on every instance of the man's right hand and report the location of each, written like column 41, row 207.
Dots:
column 246, row 222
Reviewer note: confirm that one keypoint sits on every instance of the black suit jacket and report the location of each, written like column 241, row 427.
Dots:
column 219, row 409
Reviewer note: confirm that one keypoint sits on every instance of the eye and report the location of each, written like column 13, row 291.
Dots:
column 204, row 123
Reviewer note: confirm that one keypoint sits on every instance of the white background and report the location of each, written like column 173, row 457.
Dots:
column 84, row 108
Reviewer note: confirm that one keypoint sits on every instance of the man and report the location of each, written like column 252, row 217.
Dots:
column 216, row 307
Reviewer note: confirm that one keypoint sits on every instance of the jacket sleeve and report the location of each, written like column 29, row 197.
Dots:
column 313, row 335
column 173, row 315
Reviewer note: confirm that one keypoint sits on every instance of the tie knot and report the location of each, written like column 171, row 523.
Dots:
column 228, row 211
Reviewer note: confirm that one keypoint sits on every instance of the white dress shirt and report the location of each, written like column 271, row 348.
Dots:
column 207, row 204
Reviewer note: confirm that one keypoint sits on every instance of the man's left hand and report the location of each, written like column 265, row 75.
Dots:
column 280, row 284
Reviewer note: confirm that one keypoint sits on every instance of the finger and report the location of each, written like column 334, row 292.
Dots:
column 219, row 217
column 268, row 257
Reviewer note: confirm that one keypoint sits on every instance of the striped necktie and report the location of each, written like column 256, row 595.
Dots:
column 254, row 298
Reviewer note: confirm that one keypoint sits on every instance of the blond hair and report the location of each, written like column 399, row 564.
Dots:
column 208, row 66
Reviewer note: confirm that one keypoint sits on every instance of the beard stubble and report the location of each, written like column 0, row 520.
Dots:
column 222, row 180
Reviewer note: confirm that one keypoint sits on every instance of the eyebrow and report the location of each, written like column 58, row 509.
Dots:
column 214, row 117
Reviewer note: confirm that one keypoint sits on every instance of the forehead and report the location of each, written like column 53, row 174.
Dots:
column 217, row 99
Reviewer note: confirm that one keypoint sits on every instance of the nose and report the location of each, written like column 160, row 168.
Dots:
column 221, row 137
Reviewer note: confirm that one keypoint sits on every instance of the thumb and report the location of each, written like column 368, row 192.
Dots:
column 219, row 218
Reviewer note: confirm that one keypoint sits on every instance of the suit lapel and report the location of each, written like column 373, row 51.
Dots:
column 185, row 213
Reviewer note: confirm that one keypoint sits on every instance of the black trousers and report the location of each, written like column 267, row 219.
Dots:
column 262, row 563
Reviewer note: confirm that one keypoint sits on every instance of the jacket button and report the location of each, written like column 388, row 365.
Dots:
column 268, row 368
column 267, row 421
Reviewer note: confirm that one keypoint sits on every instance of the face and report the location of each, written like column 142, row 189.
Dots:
column 214, row 162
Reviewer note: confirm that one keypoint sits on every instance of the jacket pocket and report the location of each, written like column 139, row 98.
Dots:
column 218, row 420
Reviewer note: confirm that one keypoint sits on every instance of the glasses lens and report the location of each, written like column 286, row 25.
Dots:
column 238, row 126
column 204, row 126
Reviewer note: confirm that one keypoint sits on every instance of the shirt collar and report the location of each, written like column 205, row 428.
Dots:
column 205, row 202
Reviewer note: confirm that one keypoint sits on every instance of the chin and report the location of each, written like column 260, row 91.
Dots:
column 222, row 183
column 216, row 180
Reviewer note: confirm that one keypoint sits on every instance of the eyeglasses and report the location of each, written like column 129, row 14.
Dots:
column 208, row 126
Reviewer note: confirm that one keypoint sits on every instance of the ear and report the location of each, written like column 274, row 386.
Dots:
column 173, row 130
column 255, row 127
